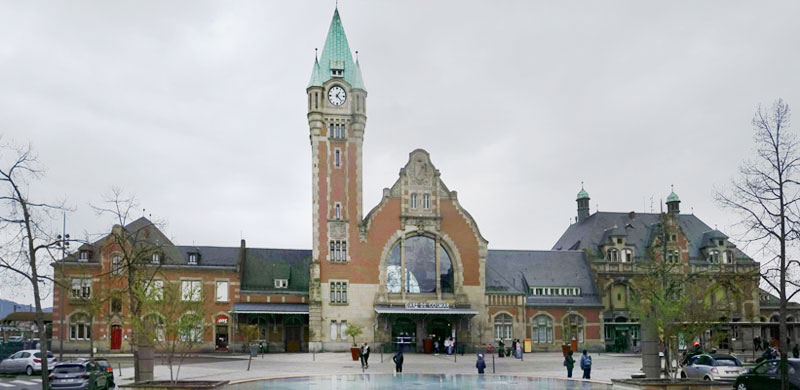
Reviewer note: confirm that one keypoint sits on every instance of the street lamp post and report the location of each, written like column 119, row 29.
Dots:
column 62, row 242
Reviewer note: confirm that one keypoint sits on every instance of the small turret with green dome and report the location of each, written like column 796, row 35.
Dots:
column 673, row 202
column 583, row 204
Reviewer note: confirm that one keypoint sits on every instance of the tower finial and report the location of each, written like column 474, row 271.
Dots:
column 581, row 184
column 316, row 49
column 337, row 4
column 672, row 187
column 356, row 55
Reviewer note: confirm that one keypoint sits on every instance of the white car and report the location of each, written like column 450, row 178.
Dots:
column 28, row 361
column 713, row 367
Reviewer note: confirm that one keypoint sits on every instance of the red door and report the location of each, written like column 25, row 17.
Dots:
column 116, row 337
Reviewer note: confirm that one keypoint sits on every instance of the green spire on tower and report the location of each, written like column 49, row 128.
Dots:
column 337, row 59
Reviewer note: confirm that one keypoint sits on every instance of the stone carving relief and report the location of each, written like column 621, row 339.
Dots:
column 338, row 230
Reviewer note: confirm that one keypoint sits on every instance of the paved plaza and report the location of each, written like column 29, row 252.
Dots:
column 234, row 368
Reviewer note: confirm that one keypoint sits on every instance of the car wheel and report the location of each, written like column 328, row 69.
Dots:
column 741, row 386
column 29, row 371
column 706, row 378
column 683, row 374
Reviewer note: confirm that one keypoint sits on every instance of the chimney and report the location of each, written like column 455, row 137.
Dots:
column 242, row 252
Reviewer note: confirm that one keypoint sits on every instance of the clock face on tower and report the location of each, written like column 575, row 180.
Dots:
column 337, row 96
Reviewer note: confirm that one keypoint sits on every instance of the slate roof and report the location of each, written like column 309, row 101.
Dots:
column 514, row 271
column 593, row 231
column 219, row 256
column 262, row 266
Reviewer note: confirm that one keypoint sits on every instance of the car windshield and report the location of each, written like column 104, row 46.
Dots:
column 727, row 361
column 69, row 369
column 49, row 355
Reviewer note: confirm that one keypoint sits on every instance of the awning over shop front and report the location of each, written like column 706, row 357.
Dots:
column 269, row 308
column 417, row 310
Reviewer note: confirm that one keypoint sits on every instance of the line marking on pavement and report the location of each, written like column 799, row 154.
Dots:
column 5, row 385
column 37, row 380
column 21, row 382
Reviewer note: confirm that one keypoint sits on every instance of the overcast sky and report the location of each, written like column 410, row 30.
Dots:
column 199, row 108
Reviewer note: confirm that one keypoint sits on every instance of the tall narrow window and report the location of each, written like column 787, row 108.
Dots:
column 331, row 130
column 222, row 291
column 338, row 255
column 334, row 330
column 502, row 327
column 338, row 212
column 337, row 159
column 116, row 265
column 84, row 256
column 627, row 255
column 426, row 201
column 414, row 201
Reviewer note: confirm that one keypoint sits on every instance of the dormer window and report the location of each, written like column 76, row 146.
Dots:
column 281, row 283
column 627, row 255
column 83, row 256
column 337, row 72
column 713, row 256
column 156, row 259
column 612, row 255
column 721, row 242
column 727, row 257
column 193, row 258
column 619, row 241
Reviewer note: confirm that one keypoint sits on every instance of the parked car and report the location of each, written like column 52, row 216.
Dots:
column 713, row 367
column 766, row 376
column 81, row 374
column 28, row 361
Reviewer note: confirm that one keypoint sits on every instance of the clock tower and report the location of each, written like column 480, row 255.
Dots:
column 336, row 120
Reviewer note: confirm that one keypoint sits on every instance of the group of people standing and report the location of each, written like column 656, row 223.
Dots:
column 586, row 364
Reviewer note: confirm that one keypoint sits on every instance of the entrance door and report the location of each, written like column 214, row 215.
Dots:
column 440, row 329
column 222, row 336
column 116, row 337
column 404, row 333
column 294, row 338
column 621, row 339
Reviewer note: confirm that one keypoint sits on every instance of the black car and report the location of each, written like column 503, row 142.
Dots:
column 766, row 376
column 81, row 374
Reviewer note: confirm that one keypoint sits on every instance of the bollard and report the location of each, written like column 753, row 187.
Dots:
column 492, row 363
column 381, row 353
column 119, row 366
column 314, row 356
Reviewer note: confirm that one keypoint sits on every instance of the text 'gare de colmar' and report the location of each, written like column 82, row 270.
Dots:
column 415, row 267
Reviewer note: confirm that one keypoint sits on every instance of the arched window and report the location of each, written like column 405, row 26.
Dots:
column 627, row 255
column 573, row 328
column 542, row 330
column 775, row 318
column 79, row 328
column 503, row 327
column 713, row 256
column 612, row 255
column 420, row 267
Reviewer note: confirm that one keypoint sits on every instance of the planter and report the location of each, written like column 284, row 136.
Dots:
column 179, row 385
column 354, row 351
column 667, row 384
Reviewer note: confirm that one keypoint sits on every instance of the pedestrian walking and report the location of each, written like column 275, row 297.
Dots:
column 447, row 346
column 398, row 360
column 366, row 355
column 361, row 355
column 518, row 351
column 480, row 364
column 569, row 363
column 586, row 365
column 436, row 347
column 756, row 343
column 796, row 352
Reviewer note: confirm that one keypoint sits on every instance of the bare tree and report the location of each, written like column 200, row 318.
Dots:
column 25, row 226
column 139, row 248
column 767, row 195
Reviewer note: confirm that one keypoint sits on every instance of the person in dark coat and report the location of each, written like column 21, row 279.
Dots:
column 756, row 343
column 480, row 364
column 796, row 352
column 398, row 360
column 569, row 363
